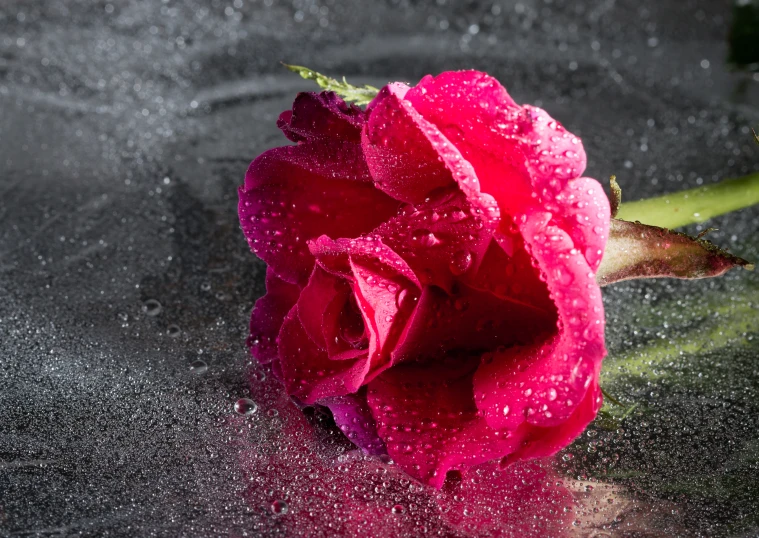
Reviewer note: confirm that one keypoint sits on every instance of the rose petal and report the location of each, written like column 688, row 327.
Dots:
column 268, row 315
column 583, row 212
column 544, row 383
column 540, row 442
column 308, row 372
column 444, row 237
column 408, row 157
column 384, row 286
column 321, row 115
column 296, row 193
column 353, row 416
column 515, row 151
column 429, row 421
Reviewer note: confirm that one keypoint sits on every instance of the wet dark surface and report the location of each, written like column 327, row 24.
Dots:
column 125, row 128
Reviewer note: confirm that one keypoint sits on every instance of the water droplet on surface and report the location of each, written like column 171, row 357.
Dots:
column 399, row 509
column 245, row 406
column 198, row 367
column 151, row 307
column 173, row 330
column 279, row 508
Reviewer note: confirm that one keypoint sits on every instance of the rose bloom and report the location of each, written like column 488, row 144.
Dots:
column 431, row 272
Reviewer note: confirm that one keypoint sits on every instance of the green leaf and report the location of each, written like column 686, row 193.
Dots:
column 636, row 250
column 360, row 95
column 694, row 205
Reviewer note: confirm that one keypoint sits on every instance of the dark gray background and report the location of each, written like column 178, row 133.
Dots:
column 125, row 128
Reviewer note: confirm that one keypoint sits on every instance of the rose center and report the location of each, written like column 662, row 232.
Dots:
column 352, row 328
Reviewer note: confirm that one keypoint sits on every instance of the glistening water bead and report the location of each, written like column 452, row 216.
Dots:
column 245, row 406
column 279, row 508
column 151, row 307
column 198, row 367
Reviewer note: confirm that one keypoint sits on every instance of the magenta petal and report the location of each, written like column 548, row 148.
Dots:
column 296, row 193
column 307, row 370
column 384, row 285
column 354, row 418
column 540, row 442
column 584, row 214
column 515, row 151
column 544, row 384
column 321, row 115
column 321, row 289
column 408, row 157
column 268, row 315
column 445, row 236
column 429, row 421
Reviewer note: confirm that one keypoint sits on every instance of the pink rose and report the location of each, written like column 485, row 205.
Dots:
column 431, row 272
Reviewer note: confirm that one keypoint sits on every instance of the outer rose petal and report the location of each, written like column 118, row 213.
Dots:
column 307, row 371
column 429, row 421
column 540, row 442
column 584, row 213
column 515, row 151
column 268, row 315
column 408, row 156
column 353, row 416
column 321, row 115
column 544, row 383
column 296, row 193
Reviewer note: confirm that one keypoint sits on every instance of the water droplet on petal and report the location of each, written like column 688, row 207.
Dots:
column 462, row 261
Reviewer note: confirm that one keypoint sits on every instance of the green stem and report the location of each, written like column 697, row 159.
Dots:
column 694, row 205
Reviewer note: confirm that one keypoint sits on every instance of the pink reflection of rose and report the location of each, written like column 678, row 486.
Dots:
column 431, row 272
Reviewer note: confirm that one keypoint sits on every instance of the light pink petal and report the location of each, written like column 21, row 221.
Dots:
column 268, row 315
column 321, row 115
column 408, row 156
column 307, row 370
column 429, row 422
column 354, row 418
column 296, row 193
column 543, row 384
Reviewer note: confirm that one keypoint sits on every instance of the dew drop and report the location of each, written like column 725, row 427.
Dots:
column 198, row 367
column 173, row 330
column 461, row 262
column 279, row 508
column 151, row 307
column 245, row 406
column 399, row 509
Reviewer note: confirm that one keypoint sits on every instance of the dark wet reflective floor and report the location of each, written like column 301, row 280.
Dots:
column 126, row 284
